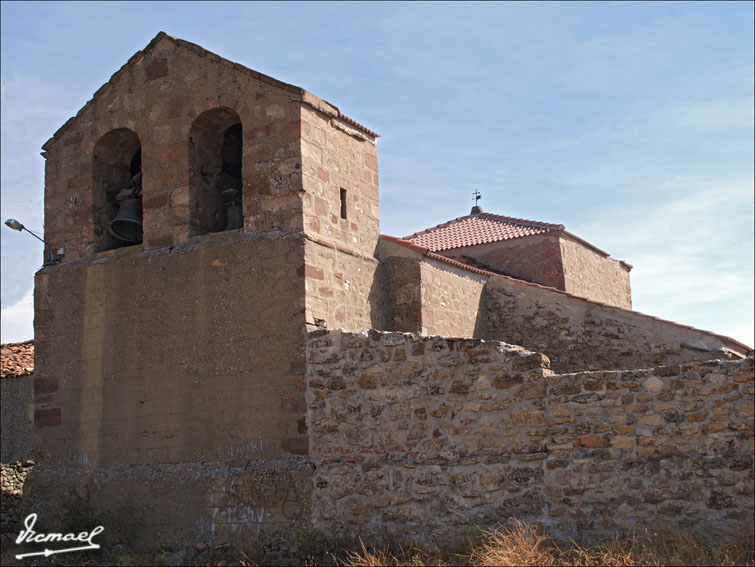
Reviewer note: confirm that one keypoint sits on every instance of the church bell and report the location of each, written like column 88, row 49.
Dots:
column 234, row 216
column 127, row 224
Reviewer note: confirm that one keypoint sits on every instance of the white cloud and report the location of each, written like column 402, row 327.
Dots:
column 692, row 252
column 707, row 114
column 17, row 320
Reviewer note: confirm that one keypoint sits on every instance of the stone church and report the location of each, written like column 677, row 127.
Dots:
column 217, row 231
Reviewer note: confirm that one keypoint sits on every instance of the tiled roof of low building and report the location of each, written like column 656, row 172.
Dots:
column 425, row 251
column 17, row 359
column 477, row 229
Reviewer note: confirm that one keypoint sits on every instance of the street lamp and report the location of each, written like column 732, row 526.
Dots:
column 15, row 225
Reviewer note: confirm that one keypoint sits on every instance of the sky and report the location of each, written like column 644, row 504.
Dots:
column 629, row 123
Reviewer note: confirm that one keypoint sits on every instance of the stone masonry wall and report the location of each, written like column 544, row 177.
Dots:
column 340, row 287
column 158, row 95
column 595, row 276
column 14, row 476
column 428, row 296
column 399, row 279
column 336, row 156
column 158, row 370
column 535, row 258
column 583, row 335
column 421, row 436
column 238, row 501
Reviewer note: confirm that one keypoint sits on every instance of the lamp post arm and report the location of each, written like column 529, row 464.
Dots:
column 35, row 236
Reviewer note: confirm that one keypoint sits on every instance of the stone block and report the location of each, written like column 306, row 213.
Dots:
column 623, row 441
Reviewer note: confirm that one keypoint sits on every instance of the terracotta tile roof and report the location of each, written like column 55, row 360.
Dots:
column 478, row 229
column 357, row 125
column 17, row 359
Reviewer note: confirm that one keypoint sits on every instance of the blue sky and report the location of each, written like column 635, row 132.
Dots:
column 630, row 123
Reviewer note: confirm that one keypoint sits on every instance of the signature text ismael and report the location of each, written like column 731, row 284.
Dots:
column 28, row 535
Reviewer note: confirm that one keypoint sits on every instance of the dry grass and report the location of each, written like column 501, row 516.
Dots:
column 517, row 544
column 520, row 544
column 413, row 557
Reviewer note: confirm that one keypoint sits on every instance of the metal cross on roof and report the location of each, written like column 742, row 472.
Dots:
column 476, row 196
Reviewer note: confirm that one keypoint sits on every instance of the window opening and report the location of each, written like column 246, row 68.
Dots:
column 117, row 176
column 215, row 144
column 343, row 203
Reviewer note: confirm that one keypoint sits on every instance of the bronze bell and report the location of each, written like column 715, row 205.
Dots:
column 127, row 224
column 234, row 216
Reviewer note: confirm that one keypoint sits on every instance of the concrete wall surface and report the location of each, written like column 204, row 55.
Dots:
column 240, row 502
column 17, row 398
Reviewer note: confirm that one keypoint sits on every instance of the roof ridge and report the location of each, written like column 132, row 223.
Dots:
column 479, row 228
column 441, row 225
column 525, row 222
column 17, row 343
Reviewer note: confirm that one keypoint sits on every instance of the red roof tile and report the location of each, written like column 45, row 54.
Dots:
column 357, row 125
column 17, row 359
column 478, row 229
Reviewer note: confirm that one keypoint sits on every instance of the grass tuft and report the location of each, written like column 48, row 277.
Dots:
column 520, row 544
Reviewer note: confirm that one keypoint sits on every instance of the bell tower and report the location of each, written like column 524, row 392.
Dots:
column 207, row 214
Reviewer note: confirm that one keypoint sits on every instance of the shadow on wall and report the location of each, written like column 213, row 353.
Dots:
column 396, row 299
column 481, row 323
column 395, row 296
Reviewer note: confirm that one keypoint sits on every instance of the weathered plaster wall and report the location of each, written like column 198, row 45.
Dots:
column 420, row 436
column 17, row 398
column 239, row 502
column 159, row 362
column 170, row 356
column 534, row 258
column 595, row 276
column 582, row 335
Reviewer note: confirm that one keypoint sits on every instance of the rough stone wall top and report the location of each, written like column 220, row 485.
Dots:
column 578, row 334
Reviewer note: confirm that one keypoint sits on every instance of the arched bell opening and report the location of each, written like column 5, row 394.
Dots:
column 118, row 189
column 215, row 195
